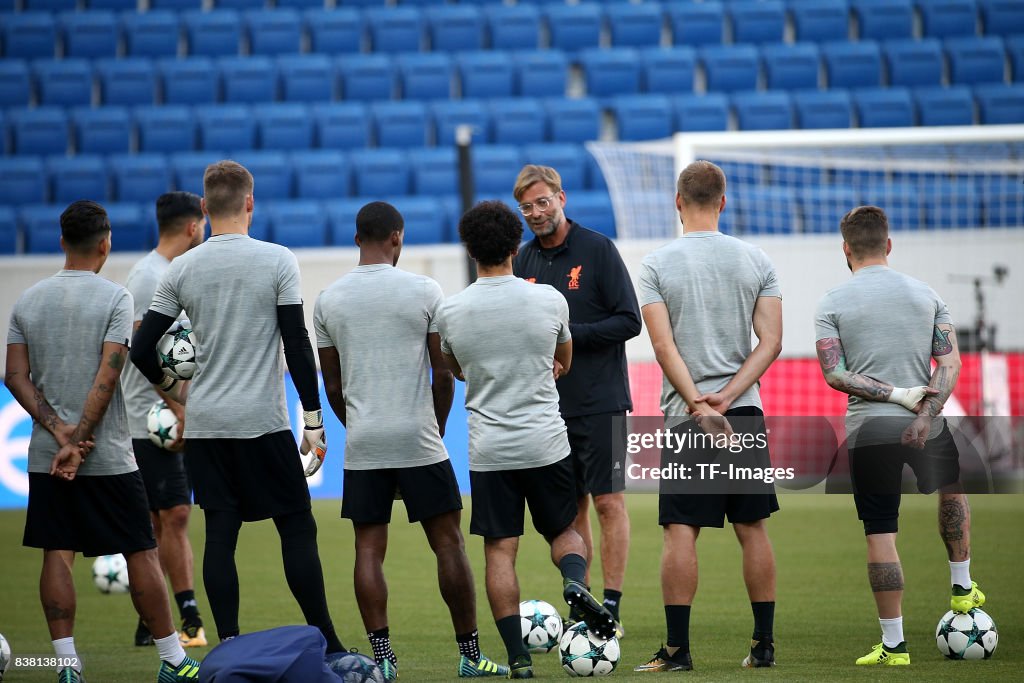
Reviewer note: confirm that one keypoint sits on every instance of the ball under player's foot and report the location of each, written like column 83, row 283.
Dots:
column 521, row 667
column 662, row 661
column 187, row 671
column 762, row 654
column 599, row 620
column 143, row 638
column 192, row 633
column 881, row 655
column 965, row 599
column 481, row 667
column 69, row 675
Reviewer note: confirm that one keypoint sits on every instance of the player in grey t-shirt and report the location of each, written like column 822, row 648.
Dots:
column 385, row 377
column 66, row 346
column 879, row 327
column 510, row 339
column 700, row 296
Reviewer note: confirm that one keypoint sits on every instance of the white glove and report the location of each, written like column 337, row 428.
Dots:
column 313, row 440
column 173, row 388
column 908, row 398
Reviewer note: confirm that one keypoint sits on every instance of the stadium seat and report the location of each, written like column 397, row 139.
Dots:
column 259, row 226
column 1000, row 103
column 15, row 83
column 823, row 109
column 426, row 221
column 573, row 120
column 341, row 218
column 541, row 72
column 400, row 124
column 131, row 227
column 495, row 168
column 947, row 18
column 574, row 27
column 595, row 176
column 434, row 171
column 283, row 126
column 29, row 35
column 635, row 25
column 455, row 27
column 1001, row 202
column 953, row 106
column 213, row 34
column 1015, row 50
column 820, row 21
column 592, row 209
column 126, row 81
column 642, row 117
column 668, row 70
column 240, row 5
column 139, row 177
column 766, row 210
column 320, row 174
column 301, row 223
column 176, row 5
column 730, row 67
column 339, row 30
column 270, row 169
column 248, row 80
column 823, row 207
column 518, row 121
column 274, row 32
column 188, row 168
column 366, row 77
column 43, row 130
column 791, row 66
column 949, row 204
column 104, row 130
column 89, row 35
column 341, row 125
column 486, row 74
column 696, row 24
column 117, row 5
column 425, row 76
column 63, row 82
column 150, row 34
column 914, row 62
column 610, row 72
column 883, row 107
column 170, row 128
column 188, row 81
column 41, row 227
column 709, row 112
column 884, row 19
column 394, row 29
column 48, row 5
column 757, row 22
column 225, row 126
column 569, row 159
column 23, row 180
column 975, row 60
column 299, row 4
column 448, row 115
column 513, row 27
column 80, row 177
column 379, row 172
column 306, row 78
column 10, row 233
column 769, row 110
column 1002, row 17
column 852, row 65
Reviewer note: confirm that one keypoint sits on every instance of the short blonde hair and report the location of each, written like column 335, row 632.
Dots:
column 532, row 174
column 226, row 184
column 701, row 184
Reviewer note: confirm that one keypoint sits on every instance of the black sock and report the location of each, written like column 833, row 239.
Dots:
column 573, row 567
column 764, row 620
column 469, row 645
column 220, row 575
column 380, row 641
column 512, row 635
column 612, row 600
column 677, row 619
column 187, row 607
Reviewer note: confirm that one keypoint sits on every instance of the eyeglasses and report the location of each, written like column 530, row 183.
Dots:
column 542, row 204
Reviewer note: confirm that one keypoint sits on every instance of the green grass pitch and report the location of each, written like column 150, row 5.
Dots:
column 825, row 616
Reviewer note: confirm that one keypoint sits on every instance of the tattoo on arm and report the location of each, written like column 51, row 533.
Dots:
column 943, row 379
column 885, row 576
column 830, row 355
column 833, row 366
column 116, row 360
column 47, row 417
column 941, row 346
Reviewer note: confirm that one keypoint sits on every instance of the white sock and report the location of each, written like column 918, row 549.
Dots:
column 65, row 647
column 960, row 573
column 170, row 649
column 892, row 631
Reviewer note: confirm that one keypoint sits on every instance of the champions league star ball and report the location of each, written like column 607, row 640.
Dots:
column 966, row 636
column 110, row 573
column 5, row 656
column 585, row 654
column 353, row 667
column 177, row 352
column 162, row 425
column 541, row 625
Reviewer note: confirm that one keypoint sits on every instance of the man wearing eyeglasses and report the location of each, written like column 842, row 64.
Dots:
column 586, row 268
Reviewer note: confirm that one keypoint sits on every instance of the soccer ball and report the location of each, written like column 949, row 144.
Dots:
column 585, row 654
column 162, row 425
column 541, row 625
column 353, row 667
column 966, row 636
column 110, row 573
column 5, row 656
column 177, row 352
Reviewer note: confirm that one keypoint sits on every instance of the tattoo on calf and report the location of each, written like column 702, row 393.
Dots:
column 55, row 612
column 885, row 576
column 952, row 520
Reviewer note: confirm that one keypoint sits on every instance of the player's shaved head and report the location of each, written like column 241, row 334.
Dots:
column 226, row 184
column 377, row 220
column 83, row 225
column 491, row 232
column 174, row 210
column 701, row 184
column 866, row 231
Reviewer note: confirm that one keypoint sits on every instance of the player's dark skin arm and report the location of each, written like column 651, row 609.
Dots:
column 832, row 360
column 563, row 358
column 453, row 364
column 18, row 379
column 442, row 385
column 330, row 368
column 946, row 354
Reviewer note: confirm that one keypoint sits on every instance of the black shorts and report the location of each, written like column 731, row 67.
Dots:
column 427, row 491
column 712, row 509
column 877, row 474
column 102, row 515
column 259, row 478
column 163, row 472
column 499, row 497
column 598, row 464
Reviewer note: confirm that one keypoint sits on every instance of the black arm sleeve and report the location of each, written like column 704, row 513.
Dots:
column 298, row 354
column 619, row 299
column 143, row 351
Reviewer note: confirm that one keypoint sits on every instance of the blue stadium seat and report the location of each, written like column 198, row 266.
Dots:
column 176, row 5
column 486, row 74
column 513, row 27
column 321, row 174
column 518, row 121
column 188, row 169
column 766, row 210
column 380, row 172
column 188, row 81
column 791, row 66
column 394, row 29
column 306, row 78
column 455, row 27
column 366, row 77
column 757, row 22
column 539, row 72
column 823, row 109
column 400, row 124
column 1000, row 103
column 339, row 30
column 643, row 117
column 259, row 227
column 1002, row 17
column 63, row 82
column 425, row 76
column 48, row 5
column 131, row 227
column 240, row 5
column 29, row 35
column 696, row 24
column 823, row 207
column 709, row 112
column 10, row 233
column 570, row 160
column 284, row 126
column 447, row 115
column 573, row 120
column 274, row 32
column 225, row 126
column 89, row 35
column 1015, row 50
column 139, row 177
column 126, row 81
column 80, row 177
column 635, row 25
column 299, row 4
column 23, row 180
column 947, row 18
column 936, row 106
column 341, row 217
column 150, row 34
column 435, row 171
column 950, row 204
column 104, row 130
column 116, row 5
column 769, row 110
column 271, row 170
column 574, row 27
column 592, row 209
column 975, row 60
column 611, row 72
column 248, row 80
column 884, row 19
column 15, row 83
column 341, row 125
column 213, row 34
column 883, row 107
column 170, row 128
column 495, row 168
column 820, row 21
column 41, row 226
column 914, row 62
column 1001, row 201
column 852, row 65
column 301, row 223
column 426, row 221
column 668, row 70
column 730, row 67
column 43, row 130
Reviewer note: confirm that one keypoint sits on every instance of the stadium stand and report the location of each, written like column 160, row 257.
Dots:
column 425, row 76
column 273, row 32
column 216, row 33
column 634, row 25
column 447, row 115
column 610, row 72
column 552, row 65
column 573, row 120
column 63, row 82
column 947, row 18
column 29, row 35
column 106, row 130
column 730, row 67
column 668, row 70
column 913, row 62
column 400, row 124
column 823, row 109
column 791, row 66
column 884, row 19
column 820, row 21
column 284, row 126
column 451, row 28
column 518, row 121
column 15, row 83
column 89, row 35
column 574, row 27
column 306, row 78
column 341, row 125
column 152, row 34
column 852, row 65
column 434, row 171
column 321, row 174
column 43, row 130
column 247, row 80
column 708, row 112
column 977, row 59
column 696, row 24
column 937, row 106
column 139, row 177
column 643, row 117
column 126, row 81
column 883, row 107
column 340, row 30
column 23, row 180
column 80, row 177
column 165, row 129
column 188, row 81
column 512, row 27
column 757, row 22
column 767, row 110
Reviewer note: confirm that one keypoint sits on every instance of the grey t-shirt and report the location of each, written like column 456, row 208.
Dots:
column 65, row 320
column 710, row 283
column 503, row 331
column 230, row 287
column 378, row 318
